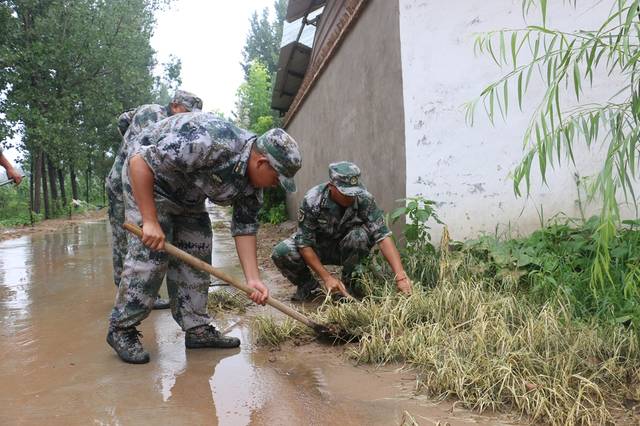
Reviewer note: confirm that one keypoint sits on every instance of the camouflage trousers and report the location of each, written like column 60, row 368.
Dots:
column 347, row 252
column 118, row 234
column 144, row 269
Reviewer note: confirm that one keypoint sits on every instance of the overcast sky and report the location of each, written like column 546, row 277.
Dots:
column 208, row 36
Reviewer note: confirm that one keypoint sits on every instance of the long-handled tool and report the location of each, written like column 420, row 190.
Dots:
column 323, row 331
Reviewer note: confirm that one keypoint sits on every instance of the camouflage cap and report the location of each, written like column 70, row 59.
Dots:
column 282, row 152
column 346, row 178
column 188, row 99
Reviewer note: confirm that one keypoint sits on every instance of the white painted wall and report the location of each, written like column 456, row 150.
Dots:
column 466, row 169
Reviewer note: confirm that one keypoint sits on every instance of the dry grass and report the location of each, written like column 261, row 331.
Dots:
column 227, row 299
column 271, row 332
column 491, row 349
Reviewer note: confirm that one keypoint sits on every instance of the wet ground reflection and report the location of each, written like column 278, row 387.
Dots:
column 56, row 291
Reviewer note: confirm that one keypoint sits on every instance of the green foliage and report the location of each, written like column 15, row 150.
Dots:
column 14, row 205
column 253, row 103
column 166, row 85
column 254, row 97
column 555, row 263
column 418, row 210
column 262, row 124
column 274, row 209
column 67, row 70
column 568, row 63
column 263, row 41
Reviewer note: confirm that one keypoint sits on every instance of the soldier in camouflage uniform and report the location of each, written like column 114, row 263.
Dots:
column 130, row 125
column 182, row 161
column 338, row 224
column 12, row 173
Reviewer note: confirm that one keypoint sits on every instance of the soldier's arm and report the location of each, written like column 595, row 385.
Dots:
column 378, row 231
column 331, row 283
column 244, row 226
column 247, row 253
column 12, row 173
column 390, row 253
column 142, row 181
column 306, row 241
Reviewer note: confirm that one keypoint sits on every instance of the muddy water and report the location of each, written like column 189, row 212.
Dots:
column 56, row 292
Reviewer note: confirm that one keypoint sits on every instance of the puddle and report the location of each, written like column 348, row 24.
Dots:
column 56, row 291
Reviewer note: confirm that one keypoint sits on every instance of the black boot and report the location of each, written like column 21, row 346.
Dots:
column 126, row 343
column 206, row 336
column 161, row 303
column 305, row 292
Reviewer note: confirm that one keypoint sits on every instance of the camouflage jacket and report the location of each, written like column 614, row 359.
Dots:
column 322, row 220
column 195, row 156
column 131, row 124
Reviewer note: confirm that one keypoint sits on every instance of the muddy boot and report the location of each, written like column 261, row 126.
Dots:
column 126, row 343
column 206, row 336
column 161, row 303
column 305, row 292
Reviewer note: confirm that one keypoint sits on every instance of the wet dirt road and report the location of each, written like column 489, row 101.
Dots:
column 56, row 292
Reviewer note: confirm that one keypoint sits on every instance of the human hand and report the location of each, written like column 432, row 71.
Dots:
column 153, row 236
column 14, row 175
column 260, row 293
column 334, row 285
column 404, row 283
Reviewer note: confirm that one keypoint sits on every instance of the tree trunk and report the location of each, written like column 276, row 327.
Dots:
column 37, row 177
column 87, row 176
column 104, row 190
column 45, row 193
column 63, row 194
column 75, row 193
column 31, row 188
column 52, row 186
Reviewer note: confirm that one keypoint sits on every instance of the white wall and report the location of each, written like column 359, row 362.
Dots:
column 466, row 169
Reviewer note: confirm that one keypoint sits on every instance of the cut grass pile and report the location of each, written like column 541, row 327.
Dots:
column 492, row 349
column 226, row 299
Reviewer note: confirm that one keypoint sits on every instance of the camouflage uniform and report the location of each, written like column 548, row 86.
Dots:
column 339, row 236
column 131, row 124
column 193, row 156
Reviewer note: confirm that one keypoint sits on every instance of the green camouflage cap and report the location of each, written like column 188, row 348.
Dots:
column 346, row 178
column 188, row 99
column 282, row 152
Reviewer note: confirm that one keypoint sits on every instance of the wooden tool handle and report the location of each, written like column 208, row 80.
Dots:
column 204, row 266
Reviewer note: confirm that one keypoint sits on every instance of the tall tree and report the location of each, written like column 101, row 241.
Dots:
column 254, row 97
column 263, row 41
column 66, row 70
column 164, row 86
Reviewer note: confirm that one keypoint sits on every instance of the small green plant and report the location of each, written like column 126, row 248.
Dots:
column 274, row 207
column 418, row 210
column 419, row 255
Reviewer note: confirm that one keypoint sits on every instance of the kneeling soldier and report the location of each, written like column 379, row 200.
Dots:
column 338, row 224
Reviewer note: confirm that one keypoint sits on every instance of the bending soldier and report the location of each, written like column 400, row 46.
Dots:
column 184, row 160
column 130, row 125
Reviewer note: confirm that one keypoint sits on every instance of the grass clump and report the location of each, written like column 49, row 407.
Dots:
column 491, row 350
column 226, row 299
column 272, row 332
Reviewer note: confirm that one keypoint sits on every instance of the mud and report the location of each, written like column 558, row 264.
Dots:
column 55, row 296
